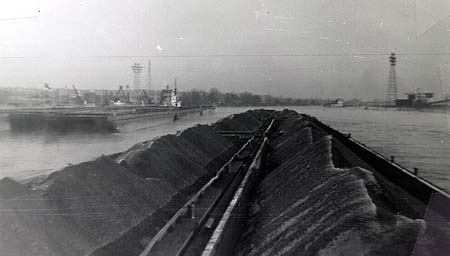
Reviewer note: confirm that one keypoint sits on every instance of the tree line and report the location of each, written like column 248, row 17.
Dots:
column 197, row 97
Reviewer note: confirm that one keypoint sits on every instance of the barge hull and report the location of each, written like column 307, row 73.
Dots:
column 102, row 122
column 29, row 122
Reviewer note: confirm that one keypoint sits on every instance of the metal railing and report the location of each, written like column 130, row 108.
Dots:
column 219, row 232
column 182, row 211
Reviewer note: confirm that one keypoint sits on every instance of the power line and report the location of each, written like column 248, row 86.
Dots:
column 422, row 65
column 283, row 69
column 239, row 55
column 19, row 18
column 433, row 26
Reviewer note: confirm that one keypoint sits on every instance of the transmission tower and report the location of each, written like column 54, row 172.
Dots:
column 391, row 96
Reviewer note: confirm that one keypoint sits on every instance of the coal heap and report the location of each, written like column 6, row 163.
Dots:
column 82, row 207
column 307, row 206
column 247, row 121
column 180, row 159
column 10, row 188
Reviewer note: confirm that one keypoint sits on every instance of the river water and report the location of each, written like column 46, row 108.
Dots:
column 415, row 138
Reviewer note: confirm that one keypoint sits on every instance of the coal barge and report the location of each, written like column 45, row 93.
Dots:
column 99, row 119
column 256, row 183
column 132, row 114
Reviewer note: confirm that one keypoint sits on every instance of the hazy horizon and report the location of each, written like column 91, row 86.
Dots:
column 320, row 49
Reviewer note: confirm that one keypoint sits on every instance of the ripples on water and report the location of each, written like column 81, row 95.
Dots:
column 416, row 139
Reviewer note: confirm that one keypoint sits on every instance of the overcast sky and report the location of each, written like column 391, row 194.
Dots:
column 309, row 48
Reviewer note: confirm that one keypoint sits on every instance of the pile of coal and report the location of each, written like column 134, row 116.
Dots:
column 308, row 206
column 77, row 208
column 178, row 160
column 247, row 121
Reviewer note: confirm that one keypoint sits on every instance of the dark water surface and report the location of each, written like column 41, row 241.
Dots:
column 416, row 139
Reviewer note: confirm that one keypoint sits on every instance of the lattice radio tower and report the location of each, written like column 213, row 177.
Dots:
column 391, row 96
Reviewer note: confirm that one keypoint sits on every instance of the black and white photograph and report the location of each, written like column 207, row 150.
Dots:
column 224, row 128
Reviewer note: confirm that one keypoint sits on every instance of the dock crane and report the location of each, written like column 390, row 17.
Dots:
column 78, row 98
column 119, row 93
column 149, row 101
column 47, row 86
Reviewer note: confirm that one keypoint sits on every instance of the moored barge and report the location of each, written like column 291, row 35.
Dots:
column 99, row 119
